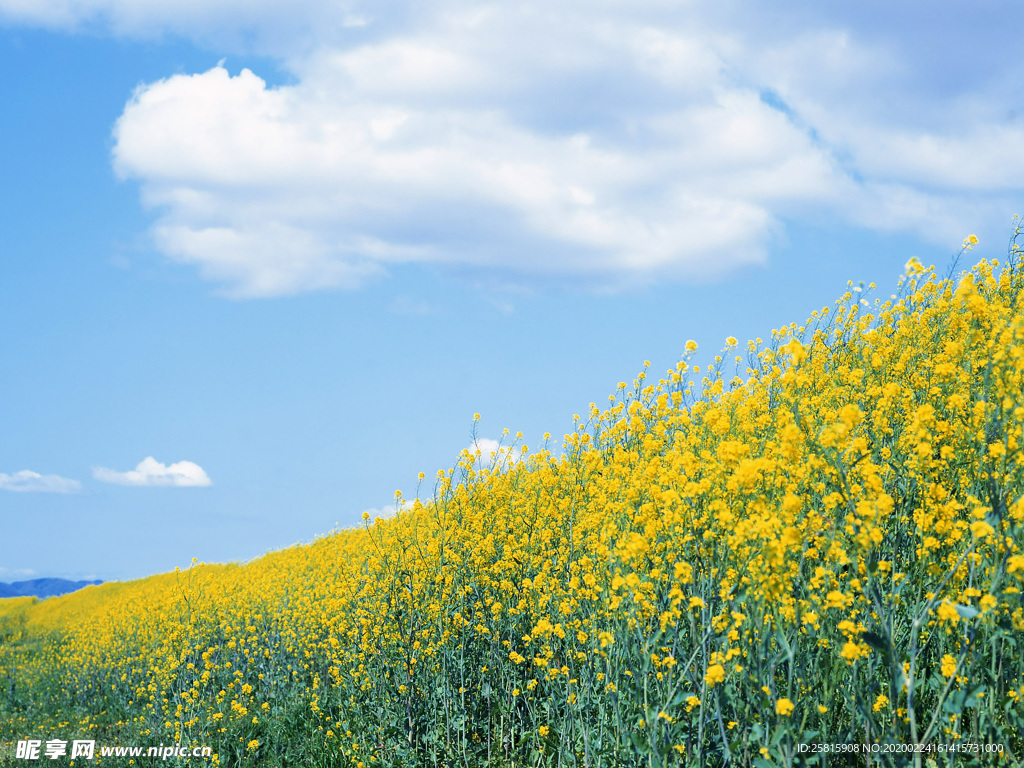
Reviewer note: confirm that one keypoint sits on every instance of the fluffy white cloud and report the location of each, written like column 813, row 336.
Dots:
column 386, row 511
column 28, row 481
column 149, row 471
column 490, row 452
column 280, row 190
column 608, row 143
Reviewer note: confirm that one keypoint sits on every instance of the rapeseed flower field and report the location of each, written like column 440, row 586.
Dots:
column 817, row 539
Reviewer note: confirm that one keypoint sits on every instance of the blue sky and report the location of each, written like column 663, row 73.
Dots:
column 263, row 260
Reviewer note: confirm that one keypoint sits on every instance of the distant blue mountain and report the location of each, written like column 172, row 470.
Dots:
column 42, row 587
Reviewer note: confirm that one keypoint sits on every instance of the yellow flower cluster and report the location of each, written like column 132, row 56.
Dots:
column 840, row 522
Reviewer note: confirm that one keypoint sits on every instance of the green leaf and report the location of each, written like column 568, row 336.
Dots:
column 639, row 741
column 966, row 611
column 954, row 704
column 875, row 641
column 784, row 643
column 975, row 696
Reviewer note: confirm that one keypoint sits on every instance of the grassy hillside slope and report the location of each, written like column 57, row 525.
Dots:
column 825, row 547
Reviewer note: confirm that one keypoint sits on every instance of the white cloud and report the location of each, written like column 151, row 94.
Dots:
column 608, row 143
column 280, row 190
column 975, row 160
column 27, row 481
column 151, row 472
column 386, row 511
column 490, row 452
column 16, row 573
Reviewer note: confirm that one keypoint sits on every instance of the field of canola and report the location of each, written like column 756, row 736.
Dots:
column 717, row 570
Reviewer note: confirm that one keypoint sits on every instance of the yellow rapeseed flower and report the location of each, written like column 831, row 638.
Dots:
column 715, row 674
column 948, row 665
column 947, row 612
column 853, row 651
